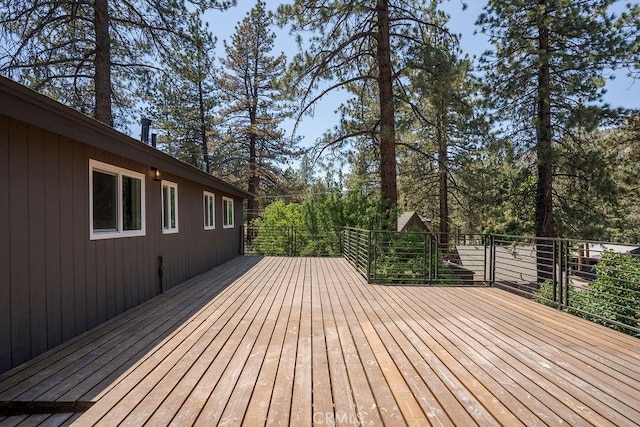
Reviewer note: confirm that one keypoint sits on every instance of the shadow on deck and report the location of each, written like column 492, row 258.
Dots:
column 305, row 340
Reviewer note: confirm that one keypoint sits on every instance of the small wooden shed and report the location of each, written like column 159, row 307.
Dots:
column 93, row 223
column 411, row 221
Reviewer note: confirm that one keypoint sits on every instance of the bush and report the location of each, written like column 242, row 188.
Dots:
column 615, row 294
column 613, row 299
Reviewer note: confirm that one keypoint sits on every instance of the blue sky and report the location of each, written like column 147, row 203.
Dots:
column 621, row 91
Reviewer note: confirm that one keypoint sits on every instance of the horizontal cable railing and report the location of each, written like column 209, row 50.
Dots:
column 598, row 281
column 356, row 247
column 416, row 257
column 292, row 241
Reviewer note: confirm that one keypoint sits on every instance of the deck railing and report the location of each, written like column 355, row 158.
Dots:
column 599, row 281
column 596, row 280
column 292, row 241
column 416, row 257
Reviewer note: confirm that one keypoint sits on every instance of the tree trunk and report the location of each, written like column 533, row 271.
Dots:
column 442, row 179
column 254, row 179
column 102, row 64
column 544, row 195
column 203, row 129
column 388, row 183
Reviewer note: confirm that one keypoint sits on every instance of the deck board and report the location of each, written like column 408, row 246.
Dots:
column 299, row 341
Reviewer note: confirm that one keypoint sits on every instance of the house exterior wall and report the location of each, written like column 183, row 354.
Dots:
column 56, row 283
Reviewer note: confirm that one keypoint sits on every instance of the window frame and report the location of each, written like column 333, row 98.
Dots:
column 209, row 225
column 225, row 201
column 118, row 172
column 170, row 185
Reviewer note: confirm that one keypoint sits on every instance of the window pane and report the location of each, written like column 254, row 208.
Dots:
column 105, row 201
column 131, row 203
column 224, row 212
column 165, row 207
column 227, row 212
column 211, row 211
column 172, row 203
column 206, row 211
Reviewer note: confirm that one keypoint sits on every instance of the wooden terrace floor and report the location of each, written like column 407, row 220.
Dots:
column 306, row 340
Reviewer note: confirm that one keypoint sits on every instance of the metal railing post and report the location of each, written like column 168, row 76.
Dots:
column 492, row 260
column 554, row 269
column 368, row 256
column 567, row 261
column 431, row 263
column 484, row 258
column 560, row 280
column 426, row 263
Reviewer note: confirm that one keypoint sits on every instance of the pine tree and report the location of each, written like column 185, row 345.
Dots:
column 356, row 44
column 185, row 97
column 88, row 55
column 547, row 74
column 445, row 122
column 253, row 105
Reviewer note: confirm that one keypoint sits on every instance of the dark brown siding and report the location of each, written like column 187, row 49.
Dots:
column 55, row 283
column 5, row 248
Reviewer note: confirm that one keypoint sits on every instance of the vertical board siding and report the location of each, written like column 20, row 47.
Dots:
column 80, row 236
column 53, row 242
column 37, row 236
column 93, row 296
column 5, row 248
column 55, row 282
column 67, row 288
column 19, row 241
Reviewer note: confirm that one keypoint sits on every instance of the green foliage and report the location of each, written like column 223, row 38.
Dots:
column 359, row 47
column 183, row 97
column 315, row 225
column 253, row 107
column 544, row 295
column 615, row 294
column 90, row 55
column 405, row 257
column 552, row 58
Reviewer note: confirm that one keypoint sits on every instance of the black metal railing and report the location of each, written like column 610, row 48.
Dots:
column 599, row 281
column 292, row 241
column 356, row 248
column 595, row 280
column 416, row 257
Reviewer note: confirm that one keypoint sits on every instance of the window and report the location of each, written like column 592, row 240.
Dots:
column 116, row 202
column 169, row 207
column 227, row 212
column 209, row 211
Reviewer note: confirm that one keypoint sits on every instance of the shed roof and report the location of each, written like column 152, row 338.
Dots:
column 406, row 219
column 26, row 105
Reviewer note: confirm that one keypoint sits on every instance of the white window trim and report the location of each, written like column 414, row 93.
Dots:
column 170, row 185
column 233, row 214
column 119, row 172
column 205, row 195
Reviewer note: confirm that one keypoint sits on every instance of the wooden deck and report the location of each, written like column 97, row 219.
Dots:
column 305, row 340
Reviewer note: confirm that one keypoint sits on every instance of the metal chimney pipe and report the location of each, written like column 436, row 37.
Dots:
column 154, row 140
column 146, row 124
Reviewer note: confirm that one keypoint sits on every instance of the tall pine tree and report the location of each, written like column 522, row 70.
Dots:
column 88, row 54
column 184, row 97
column 253, row 106
column 357, row 43
column 546, row 73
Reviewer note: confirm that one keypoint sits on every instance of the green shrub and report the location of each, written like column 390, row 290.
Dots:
column 615, row 294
